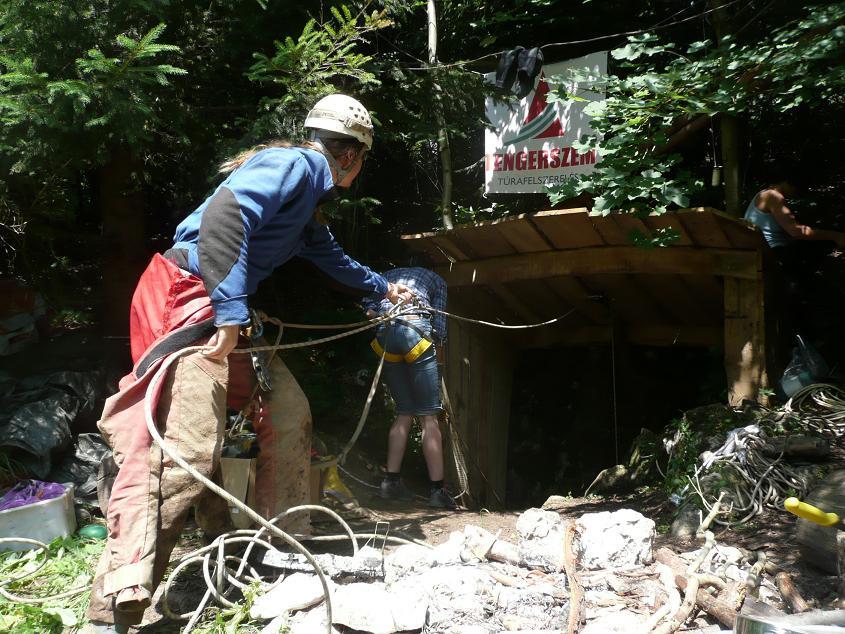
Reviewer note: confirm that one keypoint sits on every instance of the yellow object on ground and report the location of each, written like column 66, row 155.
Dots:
column 810, row 512
column 334, row 486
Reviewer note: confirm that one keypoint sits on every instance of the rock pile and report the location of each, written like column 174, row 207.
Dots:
column 476, row 582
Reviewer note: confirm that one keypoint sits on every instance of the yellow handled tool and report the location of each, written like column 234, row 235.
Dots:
column 811, row 513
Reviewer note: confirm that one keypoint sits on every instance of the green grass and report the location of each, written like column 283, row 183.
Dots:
column 72, row 563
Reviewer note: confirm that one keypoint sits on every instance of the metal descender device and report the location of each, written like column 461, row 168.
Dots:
column 255, row 331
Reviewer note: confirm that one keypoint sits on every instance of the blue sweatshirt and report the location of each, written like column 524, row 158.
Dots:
column 260, row 217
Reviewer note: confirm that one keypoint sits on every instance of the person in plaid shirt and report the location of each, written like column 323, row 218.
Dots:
column 411, row 346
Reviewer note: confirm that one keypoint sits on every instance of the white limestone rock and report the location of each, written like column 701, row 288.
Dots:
column 540, row 539
column 297, row 592
column 619, row 539
column 371, row 607
column 622, row 622
column 449, row 552
column 408, row 559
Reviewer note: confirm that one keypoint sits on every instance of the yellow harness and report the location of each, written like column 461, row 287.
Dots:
column 412, row 355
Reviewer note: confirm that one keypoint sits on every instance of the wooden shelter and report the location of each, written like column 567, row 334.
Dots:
column 706, row 289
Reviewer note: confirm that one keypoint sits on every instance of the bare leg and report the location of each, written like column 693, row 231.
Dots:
column 432, row 446
column 397, row 440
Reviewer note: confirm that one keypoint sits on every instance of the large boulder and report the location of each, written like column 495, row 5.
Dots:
column 620, row 539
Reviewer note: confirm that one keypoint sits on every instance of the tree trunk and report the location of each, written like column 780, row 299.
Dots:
column 731, row 128
column 124, row 253
column 731, row 135
column 442, row 135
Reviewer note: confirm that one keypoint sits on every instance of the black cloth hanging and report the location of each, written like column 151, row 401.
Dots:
column 518, row 69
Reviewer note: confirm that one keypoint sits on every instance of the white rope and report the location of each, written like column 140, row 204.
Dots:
column 341, row 457
column 9, row 596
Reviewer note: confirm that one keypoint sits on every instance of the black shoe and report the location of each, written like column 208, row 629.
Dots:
column 394, row 490
column 442, row 500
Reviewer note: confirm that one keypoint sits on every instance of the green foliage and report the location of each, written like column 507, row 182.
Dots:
column 801, row 62
column 71, row 564
column 698, row 430
column 234, row 620
column 306, row 68
column 661, row 237
column 468, row 213
column 108, row 92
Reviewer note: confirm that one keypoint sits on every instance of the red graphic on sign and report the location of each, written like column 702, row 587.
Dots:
column 539, row 107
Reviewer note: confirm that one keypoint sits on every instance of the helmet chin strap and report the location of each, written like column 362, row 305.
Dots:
column 333, row 164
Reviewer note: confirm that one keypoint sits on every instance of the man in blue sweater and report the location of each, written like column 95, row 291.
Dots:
column 262, row 215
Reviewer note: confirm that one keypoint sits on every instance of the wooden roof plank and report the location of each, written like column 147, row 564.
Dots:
column 669, row 221
column 742, row 234
column 626, row 299
column 573, row 230
column 487, row 241
column 612, row 234
column 576, row 294
column 675, row 295
column 630, row 224
column 449, row 246
column 704, row 230
column 525, row 310
column 479, row 302
column 524, row 237
column 545, row 301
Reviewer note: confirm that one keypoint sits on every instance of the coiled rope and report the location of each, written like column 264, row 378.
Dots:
column 245, row 573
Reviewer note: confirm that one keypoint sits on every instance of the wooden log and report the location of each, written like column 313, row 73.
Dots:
column 719, row 609
column 790, row 593
column 797, row 447
column 576, row 601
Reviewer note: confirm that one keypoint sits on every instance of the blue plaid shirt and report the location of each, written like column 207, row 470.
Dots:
column 430, row 289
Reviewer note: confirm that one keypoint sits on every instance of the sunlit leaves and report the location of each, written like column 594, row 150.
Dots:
column 802, row 62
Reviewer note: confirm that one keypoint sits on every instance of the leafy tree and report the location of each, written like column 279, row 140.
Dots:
column 799, row 63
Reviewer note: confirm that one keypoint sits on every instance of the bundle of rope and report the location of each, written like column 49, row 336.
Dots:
column 752, row 480
column 755, row 480
column 821, row 408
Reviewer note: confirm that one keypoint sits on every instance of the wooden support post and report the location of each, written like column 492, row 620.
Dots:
column 479, row 375
column 745, row 339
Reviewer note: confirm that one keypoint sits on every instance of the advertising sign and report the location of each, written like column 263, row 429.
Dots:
column 530, row 145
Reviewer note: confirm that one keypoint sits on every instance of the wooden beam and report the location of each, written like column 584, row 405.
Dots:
column 582, row 262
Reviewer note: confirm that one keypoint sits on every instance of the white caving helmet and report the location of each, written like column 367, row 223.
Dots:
column 338, row 116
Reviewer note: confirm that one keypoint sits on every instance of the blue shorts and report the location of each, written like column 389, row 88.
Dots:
column 415, row 387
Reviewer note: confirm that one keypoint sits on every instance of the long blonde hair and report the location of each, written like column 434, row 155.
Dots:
column 336, row 147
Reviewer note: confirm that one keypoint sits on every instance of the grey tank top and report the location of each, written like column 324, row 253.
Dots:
column 775, row 235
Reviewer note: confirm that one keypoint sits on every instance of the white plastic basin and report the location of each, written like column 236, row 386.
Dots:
column 43, row 521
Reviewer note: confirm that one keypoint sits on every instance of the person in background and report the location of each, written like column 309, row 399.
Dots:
column 799, row 249
column 412, row 345
column 263, row 214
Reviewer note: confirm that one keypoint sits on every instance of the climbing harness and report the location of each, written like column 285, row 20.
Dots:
column 413, row 354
